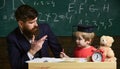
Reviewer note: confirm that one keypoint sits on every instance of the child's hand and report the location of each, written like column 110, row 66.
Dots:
column 63, row 55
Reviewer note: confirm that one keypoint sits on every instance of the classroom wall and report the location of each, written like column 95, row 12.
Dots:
column 66, row 42
column 64, row 13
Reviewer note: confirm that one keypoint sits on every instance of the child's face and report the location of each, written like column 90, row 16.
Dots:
column 80, row 41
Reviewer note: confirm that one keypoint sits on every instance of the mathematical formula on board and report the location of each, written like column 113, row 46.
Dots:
column 75, row 12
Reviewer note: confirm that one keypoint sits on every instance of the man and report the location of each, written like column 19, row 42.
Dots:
column 30, row 40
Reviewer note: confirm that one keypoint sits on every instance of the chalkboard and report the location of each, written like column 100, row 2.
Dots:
column 62, row 15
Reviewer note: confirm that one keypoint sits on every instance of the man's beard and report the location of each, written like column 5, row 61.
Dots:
column 29, row 33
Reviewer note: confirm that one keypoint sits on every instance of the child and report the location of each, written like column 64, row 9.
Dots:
column 84, row 36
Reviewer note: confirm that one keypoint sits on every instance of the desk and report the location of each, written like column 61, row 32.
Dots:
column 73, row 65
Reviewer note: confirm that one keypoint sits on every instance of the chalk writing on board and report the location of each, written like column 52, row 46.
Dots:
column 38, row 2
column 2, row 5
column 95, row 12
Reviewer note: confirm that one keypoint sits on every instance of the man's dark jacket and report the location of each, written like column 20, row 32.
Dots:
column 18, row 46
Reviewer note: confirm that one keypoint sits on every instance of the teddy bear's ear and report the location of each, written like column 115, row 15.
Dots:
column 112, row 40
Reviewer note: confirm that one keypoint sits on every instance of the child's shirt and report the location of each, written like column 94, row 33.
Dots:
column 80, row 52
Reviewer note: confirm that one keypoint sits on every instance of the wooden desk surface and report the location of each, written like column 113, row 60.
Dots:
column 73, row 65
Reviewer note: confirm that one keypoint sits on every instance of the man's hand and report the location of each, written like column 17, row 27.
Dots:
column 37, row 45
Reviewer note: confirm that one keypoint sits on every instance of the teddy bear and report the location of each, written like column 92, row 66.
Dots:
column 105, row 45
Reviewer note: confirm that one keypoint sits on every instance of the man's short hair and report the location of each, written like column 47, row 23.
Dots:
column 25, row 12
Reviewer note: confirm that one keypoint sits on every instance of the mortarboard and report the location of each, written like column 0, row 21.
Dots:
column 85, row 28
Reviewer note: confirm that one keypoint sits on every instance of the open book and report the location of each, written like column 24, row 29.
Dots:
column 46, row 59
